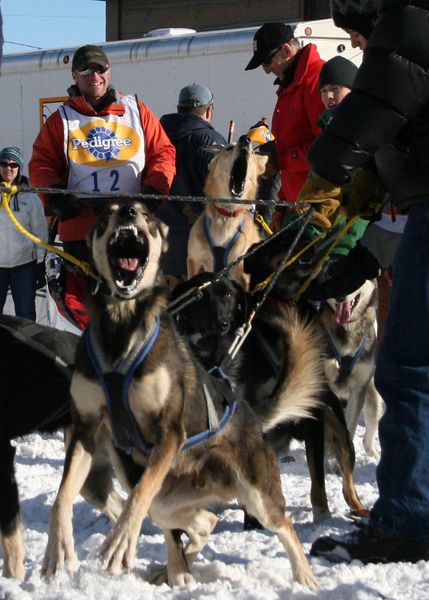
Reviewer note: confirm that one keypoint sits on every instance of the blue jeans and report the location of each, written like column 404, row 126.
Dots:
column 402, row 378
column 22, row 283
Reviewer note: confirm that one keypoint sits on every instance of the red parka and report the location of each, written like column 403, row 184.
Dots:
column 48, row 166
column 294, row 121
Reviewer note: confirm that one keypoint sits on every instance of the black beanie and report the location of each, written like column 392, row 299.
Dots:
column 338, row 70
column 357, row 15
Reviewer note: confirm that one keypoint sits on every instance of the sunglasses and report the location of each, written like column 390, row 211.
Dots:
column 12, row 165
column 270, row 57
column 90, row 70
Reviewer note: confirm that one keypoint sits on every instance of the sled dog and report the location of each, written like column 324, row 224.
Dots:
column 273, row 364
column 178, row 439
column 225, row 231
column 351, row 331
column 36, row 365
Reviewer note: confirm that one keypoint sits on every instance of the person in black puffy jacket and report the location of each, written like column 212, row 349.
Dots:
column 387, row 116
column 190, row 131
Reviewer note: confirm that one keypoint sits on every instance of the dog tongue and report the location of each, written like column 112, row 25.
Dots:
column 128, row 264
column 343, row 312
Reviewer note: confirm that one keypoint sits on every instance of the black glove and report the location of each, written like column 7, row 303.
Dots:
column 345, row 275
column 150, row 204
column 40, row 275
column 62, row 206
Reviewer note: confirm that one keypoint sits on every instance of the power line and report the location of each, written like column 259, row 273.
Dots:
column 27, row 45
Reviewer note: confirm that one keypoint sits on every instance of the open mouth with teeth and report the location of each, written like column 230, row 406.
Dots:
column 344, row 310
column 128, row 254
column 239, row 169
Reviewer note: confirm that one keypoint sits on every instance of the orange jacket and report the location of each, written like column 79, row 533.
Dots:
column 294, row 121
column 48, row 166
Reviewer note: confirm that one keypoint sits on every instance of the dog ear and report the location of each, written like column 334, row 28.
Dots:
column 261, row 163
column 163, row 230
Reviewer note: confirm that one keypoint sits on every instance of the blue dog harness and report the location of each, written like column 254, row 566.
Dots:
column 116, row 382
column 345, row 363
column 220, row 254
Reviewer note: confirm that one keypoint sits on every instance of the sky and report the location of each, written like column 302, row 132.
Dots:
column 32, row 24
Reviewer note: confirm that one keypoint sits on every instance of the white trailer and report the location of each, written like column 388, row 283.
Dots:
column 156, row 68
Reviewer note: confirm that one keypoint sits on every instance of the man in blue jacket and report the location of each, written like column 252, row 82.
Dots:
column 190, row 131
column 387, row 116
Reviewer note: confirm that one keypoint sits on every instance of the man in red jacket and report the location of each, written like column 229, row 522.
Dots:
column 98, row 141
column 298, row 106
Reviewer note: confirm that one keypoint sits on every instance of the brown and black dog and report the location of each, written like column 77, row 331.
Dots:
column 224, row 232
column 36, row 366
column 273, row 362
column 178, row 441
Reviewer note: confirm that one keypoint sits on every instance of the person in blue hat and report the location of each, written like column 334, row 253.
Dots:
column 190, row 131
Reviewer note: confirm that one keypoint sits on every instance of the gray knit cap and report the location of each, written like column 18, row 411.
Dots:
column 12, row 153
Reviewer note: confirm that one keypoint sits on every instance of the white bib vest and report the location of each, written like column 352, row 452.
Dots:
column 105, row 153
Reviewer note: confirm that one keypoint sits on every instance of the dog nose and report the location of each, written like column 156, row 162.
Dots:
column 127, row 212
column 223, row 325
column 243, row 140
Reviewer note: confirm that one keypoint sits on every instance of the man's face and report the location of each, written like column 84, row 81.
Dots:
column 332, row 94
column 93, row 83
column 357, row 40
column 277, row 62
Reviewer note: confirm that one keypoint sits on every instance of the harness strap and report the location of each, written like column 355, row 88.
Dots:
column 115, row 384
column 220, row 254
column 345, row 363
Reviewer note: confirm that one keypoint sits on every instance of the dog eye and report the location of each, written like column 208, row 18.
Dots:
column 228, row 296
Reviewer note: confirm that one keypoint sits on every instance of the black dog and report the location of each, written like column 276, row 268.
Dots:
column 272, row 362
column 36, row 365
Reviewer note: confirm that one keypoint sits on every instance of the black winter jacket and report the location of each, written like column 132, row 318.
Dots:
column 387, row 112
column 189, row 134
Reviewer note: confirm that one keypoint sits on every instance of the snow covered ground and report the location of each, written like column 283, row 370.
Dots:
column 234, row 565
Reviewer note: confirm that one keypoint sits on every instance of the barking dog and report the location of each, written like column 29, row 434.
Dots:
column 350, row 326
column 36, row 364
column 223, row 232
column 282, row 357
column 177, row 444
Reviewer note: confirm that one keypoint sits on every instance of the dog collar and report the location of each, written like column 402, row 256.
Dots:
column 228, row 213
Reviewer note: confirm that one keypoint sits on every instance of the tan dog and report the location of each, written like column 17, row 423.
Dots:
column 351, row 330
column 223, row 232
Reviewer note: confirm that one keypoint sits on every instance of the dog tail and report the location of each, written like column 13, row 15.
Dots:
column 302, row 374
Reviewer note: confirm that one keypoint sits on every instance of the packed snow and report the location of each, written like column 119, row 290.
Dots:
column 235, row 564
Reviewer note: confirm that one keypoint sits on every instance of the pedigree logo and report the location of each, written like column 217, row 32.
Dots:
column 99, row 143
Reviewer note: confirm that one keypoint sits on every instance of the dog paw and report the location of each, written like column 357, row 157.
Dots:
column 320, row 514
column 14, row 571
column 59, row 555
column 161, row 576
column 180, row 579
column 371, row 450
column 118, row 551
column 305, row 577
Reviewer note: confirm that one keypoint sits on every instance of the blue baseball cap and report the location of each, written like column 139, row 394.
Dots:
column 194, row 95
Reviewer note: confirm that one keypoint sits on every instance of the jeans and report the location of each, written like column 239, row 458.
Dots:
column 402, row 378
column 22, row 283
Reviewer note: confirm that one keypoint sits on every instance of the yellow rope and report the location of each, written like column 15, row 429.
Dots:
column 325, row 256
column 7, row 191
column 262, row 222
